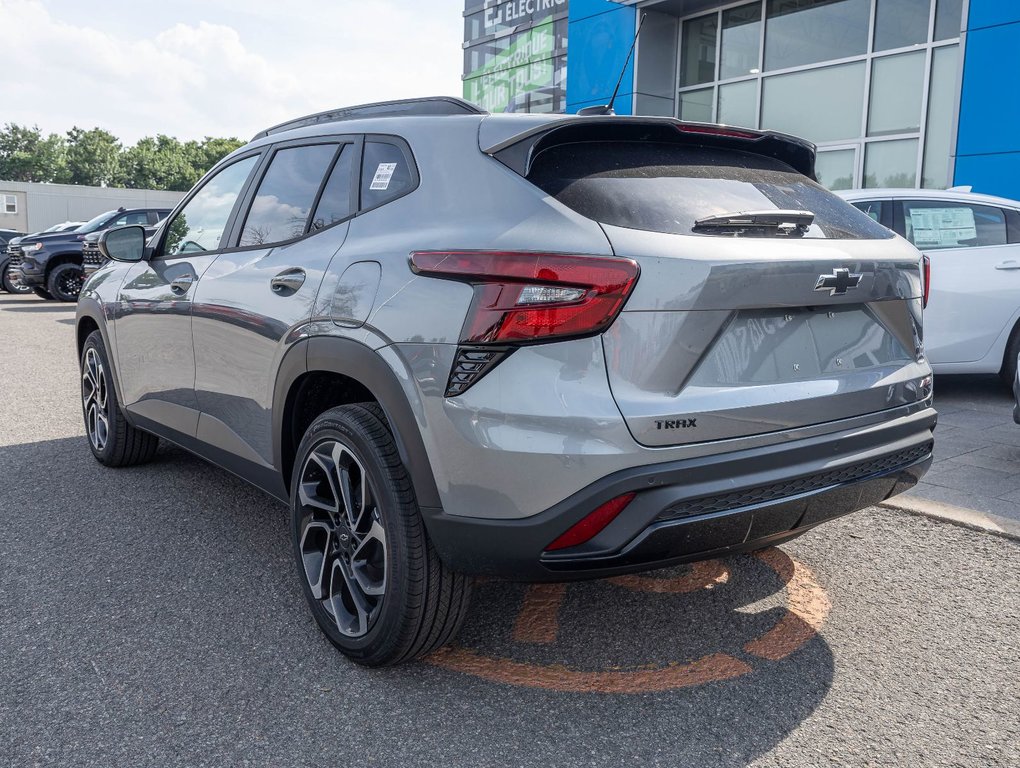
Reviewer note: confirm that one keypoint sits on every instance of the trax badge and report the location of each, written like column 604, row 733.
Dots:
column 677, row 424
column 839, row 282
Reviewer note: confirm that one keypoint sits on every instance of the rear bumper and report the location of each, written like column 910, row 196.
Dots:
column 694, row 509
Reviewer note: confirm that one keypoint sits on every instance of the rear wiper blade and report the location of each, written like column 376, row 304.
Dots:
column 783, row 222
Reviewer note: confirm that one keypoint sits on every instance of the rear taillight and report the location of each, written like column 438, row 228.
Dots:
column 533, row 297
column 592, row 524
column 926, row 268
column 527, row 298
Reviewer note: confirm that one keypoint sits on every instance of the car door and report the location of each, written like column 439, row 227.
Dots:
column 155, row 352
column 975, row 275
column 253, row 301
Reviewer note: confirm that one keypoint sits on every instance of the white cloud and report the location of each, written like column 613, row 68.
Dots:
column 226, row 67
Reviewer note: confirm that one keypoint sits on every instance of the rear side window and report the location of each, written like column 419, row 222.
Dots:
column 937, row 224
column 875, row 209
column 661, row 187
column 335, row 204
column 286, row 195
column 386, row 174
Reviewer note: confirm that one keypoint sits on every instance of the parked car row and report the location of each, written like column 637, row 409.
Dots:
column 52, row 262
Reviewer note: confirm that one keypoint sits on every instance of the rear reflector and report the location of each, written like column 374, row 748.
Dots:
column 523, row 297
column 591, row 525
column 926, row 268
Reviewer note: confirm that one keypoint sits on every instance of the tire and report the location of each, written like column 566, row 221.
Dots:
column 65, row 281
column 1008, row 370
column 42, row 293
column 113, row 441
column 8, row 283
column 372, row 578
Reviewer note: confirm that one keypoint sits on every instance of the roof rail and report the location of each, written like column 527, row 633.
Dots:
column 431, row 105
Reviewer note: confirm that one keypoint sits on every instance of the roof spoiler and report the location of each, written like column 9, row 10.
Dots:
column 519, row 152
column 430, row 105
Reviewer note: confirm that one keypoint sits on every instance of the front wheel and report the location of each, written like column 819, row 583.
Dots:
column 374, row 583
column 12, row 283
column 65, row 282
column 113, row 441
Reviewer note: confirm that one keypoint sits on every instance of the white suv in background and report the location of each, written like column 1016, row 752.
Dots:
column 972, row 318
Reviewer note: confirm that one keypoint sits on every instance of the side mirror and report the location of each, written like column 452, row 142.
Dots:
column 123, row 243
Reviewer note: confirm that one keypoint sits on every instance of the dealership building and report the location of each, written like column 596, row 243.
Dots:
column 895, row 93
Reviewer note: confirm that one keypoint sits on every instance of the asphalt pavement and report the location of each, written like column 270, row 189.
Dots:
column 153, row 617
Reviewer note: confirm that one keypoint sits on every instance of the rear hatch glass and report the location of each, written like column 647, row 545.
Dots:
column 667, row 188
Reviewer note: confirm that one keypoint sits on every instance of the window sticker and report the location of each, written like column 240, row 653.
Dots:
column 942, row 227
column 383, row 175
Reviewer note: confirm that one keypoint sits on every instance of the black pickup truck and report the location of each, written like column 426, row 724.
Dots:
column 52, row 264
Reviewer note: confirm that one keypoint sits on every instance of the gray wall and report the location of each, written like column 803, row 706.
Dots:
column 42, row 205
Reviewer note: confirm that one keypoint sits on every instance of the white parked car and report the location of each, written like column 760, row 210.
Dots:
column 972, row 320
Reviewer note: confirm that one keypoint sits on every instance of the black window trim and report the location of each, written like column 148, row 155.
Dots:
column 341, row 141
column 157, row 249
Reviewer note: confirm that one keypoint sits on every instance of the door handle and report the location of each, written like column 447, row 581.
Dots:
column 288, row 281
column 1011, row 264
column 181, row 284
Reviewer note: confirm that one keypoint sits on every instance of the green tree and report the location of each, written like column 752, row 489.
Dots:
column 206, row 153
column 161, row 162
column 26, row 156
column 93, row 157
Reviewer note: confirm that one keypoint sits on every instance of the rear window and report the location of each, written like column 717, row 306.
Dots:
column 660, row 187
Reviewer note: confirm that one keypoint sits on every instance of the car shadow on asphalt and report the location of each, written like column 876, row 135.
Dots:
column 189, row 628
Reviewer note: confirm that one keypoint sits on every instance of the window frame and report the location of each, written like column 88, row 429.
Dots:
column 10, row 199
column 157, row 249
column 412, row 167
column 237, row 227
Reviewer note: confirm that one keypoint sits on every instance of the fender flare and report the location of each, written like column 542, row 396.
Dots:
column 92, row 308
column 332, row 354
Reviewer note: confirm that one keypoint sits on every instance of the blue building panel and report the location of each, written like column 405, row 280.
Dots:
column 988, row 139
column 600, row 33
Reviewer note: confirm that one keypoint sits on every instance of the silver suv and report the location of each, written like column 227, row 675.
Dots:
column 530, row 346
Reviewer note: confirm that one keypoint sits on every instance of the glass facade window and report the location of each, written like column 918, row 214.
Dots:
column 800, row 32
column 738, row 104
column 836, row 73
column 897, row 87
column 697, row 62
column 891, row 164
column 835, row 168
column 697, row 105
column 741, row 41
column 948, row 19
column 945, row 65
column 822, row 105
column 514, row 60
column 899, row 23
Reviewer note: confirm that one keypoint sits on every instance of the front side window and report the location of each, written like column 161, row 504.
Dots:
column 935, row 224
column 874, row 208
column 130, row 218
column 286, row 195
column 200, row 224
column 385, row 174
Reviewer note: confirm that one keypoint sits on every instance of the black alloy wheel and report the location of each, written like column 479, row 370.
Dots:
column 65, row 282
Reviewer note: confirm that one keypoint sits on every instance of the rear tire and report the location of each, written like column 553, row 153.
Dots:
column 113, row 441
column 42, row 293
column 372, row 578
column 9, row 284
column 65, row 281
column 1008, row 371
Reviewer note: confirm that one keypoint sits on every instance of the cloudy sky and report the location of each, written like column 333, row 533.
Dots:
column 194, row 68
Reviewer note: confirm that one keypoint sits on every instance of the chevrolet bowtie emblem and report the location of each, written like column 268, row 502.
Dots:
column 839, row 282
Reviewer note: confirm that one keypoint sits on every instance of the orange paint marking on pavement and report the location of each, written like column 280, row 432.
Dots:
column 808, row 606
column 703, row 575
column 538, row 622
column 707, row 669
